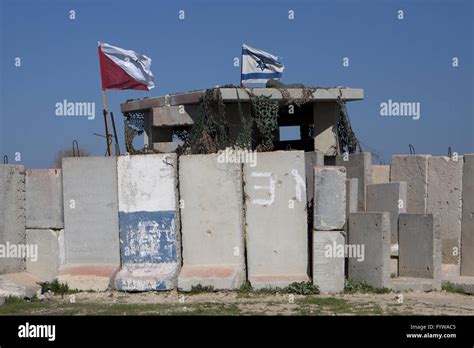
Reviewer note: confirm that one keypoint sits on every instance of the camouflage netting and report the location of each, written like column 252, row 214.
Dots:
column 210, row 132
column 134, row 124
column 348, row 141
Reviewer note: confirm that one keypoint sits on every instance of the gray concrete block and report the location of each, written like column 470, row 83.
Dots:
column 394, row 266
column 329, row 198
column 419, row 246
column 44, row 199
column 352, row 187
column 389, row 197
column 358, row 166
column 352, row 192
column 277, row 237
column 370, row 231
column 91, row 210
column 219, row 277
column 461, row 282
column 328, row 261
column 20, row 284
column 445, row 203
column 212, row 223
column 50, row 253
column 467, row 223
column 414, row 284
column 312, row 159
column 413, row 169
column 90, row 221
column 87, row 276
column 449, row 270
column 380, row 174
column 12, row 216
column 150, row 245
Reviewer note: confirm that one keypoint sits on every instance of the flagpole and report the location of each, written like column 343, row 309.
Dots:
column 241, row 68
column 107, row 132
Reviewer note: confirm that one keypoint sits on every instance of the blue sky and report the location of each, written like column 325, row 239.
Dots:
column 407, row 60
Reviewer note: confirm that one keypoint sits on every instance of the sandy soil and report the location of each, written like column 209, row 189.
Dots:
column 419, row 303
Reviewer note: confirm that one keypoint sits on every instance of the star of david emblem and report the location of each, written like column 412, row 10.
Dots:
column 261, row 65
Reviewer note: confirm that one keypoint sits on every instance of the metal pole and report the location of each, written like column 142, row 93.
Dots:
column 107, row 132
column 117, row 146
column 75, row 146
column 241, row 68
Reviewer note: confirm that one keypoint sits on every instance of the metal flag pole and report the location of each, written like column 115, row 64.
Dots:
column 117, row 146
column 107, row 132
column 241, row 68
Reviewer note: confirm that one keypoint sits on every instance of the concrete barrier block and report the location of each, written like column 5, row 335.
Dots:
column 359, row 166
column 394, row 266
column 277, row 237
column 419, row 247
column 351, row 196
column 12, row 216
column 413, row 169
column 445, row 203
column 328, row 261
column 212, row 223
column 329, row 198
column 44, row 199
column 352, row 189
column 461, row 282
column 20, row 284
column 370, row 231
column 90, row 221
column 86, row 277
column 150, row 245
column 50, row 253
column 312, row 159
column 415, row 284
column 389, row 197
column 380, row 174
column 467, row 223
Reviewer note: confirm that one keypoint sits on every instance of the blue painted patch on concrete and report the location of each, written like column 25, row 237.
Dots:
column 148, row 237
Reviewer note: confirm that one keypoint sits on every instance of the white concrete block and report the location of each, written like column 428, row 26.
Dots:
column 412, row 169
column 277, row 237
column 50, row 252
column 328, row 261
column 389, row 197
column 467, row 225
column 44, row 199
column 370, row 231
column 149, row 223
column 212, row 223
column 359, row 166
column 445, row 203
column 90, row 222
column 420, row 247
column 329, row 198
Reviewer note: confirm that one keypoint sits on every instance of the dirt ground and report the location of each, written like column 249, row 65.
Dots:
column 235, row 303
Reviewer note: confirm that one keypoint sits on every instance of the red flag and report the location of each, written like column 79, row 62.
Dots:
column 124, row 69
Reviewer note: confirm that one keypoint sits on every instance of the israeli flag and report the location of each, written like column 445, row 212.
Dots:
column 259, row 66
